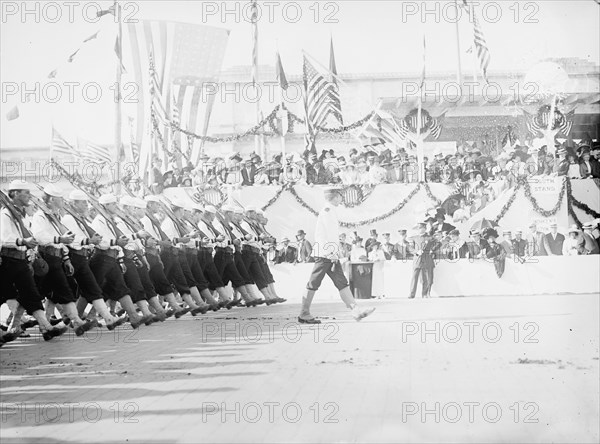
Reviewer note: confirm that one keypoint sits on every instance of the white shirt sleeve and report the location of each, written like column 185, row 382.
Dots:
column 43, row 230
column 9, row 233
column 81, row 236
column 327, row 235
column 100, row 226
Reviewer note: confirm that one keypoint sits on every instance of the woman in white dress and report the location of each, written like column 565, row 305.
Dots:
column 377, row 256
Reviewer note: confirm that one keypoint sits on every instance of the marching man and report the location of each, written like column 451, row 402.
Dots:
column 326, row 252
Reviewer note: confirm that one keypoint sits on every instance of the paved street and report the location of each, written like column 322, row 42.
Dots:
column 489, row 369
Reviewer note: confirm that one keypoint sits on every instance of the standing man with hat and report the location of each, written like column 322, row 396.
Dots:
column 327, row 261
column 554, row 241
column 423, row 248
column 16, row 274
column 304, row 247
column 537, row 241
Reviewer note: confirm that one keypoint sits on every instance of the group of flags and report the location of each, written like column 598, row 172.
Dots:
column 85, row 151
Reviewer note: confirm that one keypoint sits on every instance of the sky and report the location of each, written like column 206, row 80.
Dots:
column 369, row 37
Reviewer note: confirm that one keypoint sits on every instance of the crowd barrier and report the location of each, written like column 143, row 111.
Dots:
column 541, row 275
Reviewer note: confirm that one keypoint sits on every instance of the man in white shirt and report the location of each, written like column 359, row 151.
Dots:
column 326, row 252
column 159, row 257
column 191, row 294
column 107, row 262
column 15, row 272
column 79, row 252
column 53, row 239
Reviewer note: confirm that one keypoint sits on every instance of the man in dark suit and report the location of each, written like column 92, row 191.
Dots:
column 423, row 263
column 520, row 246
column 371, row 240
column 248, row 173
column 402, row 249
column 287, row 254
column 554, row 241
column 389, row 249
column 318, row 175
column 595, row 160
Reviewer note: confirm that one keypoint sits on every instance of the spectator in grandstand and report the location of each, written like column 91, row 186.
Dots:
column 554, row 241
column 574, row 171
column 595, row 160
column 260, row 177
column 358, row 253
column 585, row 167
column 388, row 248
column 463, row 213
column 402, row 248
column 396, row 173
column 304, row 247
column 345, row 247
column 248, row 173
column 537, row 241
column 574, row 245
column 562, row 163
column 287, row 253
column 590, row 243
column 520, row 246
column 507, row 242
column 318, row 175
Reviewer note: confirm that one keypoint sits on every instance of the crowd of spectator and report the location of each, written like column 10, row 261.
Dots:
column 452, row 244
column 481, row 175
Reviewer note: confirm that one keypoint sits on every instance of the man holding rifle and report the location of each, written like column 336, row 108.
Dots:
column 16, row 273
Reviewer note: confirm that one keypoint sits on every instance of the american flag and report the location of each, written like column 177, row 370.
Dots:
column 384, row 126
column 91, row 152
column 60, row 147
column 428, row 123
column 186, row 61
column 319, row 102
column 537, row 124
column 483, row 53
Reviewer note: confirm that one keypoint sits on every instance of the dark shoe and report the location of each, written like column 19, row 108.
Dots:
column 201, row 310
column 120, row 313
column 9, row 337
column 215, row 307
column 135, row 325
column 180, row 313
column 3, row 327
column 115, row 324
column 224, row 304
column 170, row 312
column 148, row 320
column 160, row 317
column 79, row 331
column 234, row 303
column 271, row 302
column 260, row 301
column 309, row 321
column 281, row 300
column 30, row 323
column 53, row 333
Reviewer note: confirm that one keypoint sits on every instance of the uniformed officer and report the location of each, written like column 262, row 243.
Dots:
column 326, row 252
column 16, row 274
column 80, row 251
column 423, row 247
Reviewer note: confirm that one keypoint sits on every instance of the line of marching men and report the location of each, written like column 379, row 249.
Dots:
column 137, row 252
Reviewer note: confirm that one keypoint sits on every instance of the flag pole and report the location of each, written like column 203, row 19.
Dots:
column 118, row 117
column 282, row 114
column 459, row 72
column 257, row 144
column 420, row 148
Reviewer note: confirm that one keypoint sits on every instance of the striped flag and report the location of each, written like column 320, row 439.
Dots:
column 91, row 152
column 335, row 93
column 384, row 126
column 483, row 53
column 60, row 147
column 104, row 12
column 318, row 94
column 186, row 61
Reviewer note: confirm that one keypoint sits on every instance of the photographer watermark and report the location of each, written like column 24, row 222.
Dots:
column 69, row 92
column 485, row 12
column 269, row 412
column 470, row 412
column 469, row 331
column 270, row 12
column 267, row 331
column 52, row 412
column 65, row 12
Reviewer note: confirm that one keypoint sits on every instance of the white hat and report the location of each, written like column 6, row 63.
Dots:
column 138, row 203
column 152, row 198
column 228, row 208
column 78, row 195
column 238, row 210
column 251, row 208
column 574, row 229
column 107, row 199
column 19, row 185
column 53, row 191
column 261, row 212
column 210, row 209
column 197, row 206
column 177, row 202
column 126, row 200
